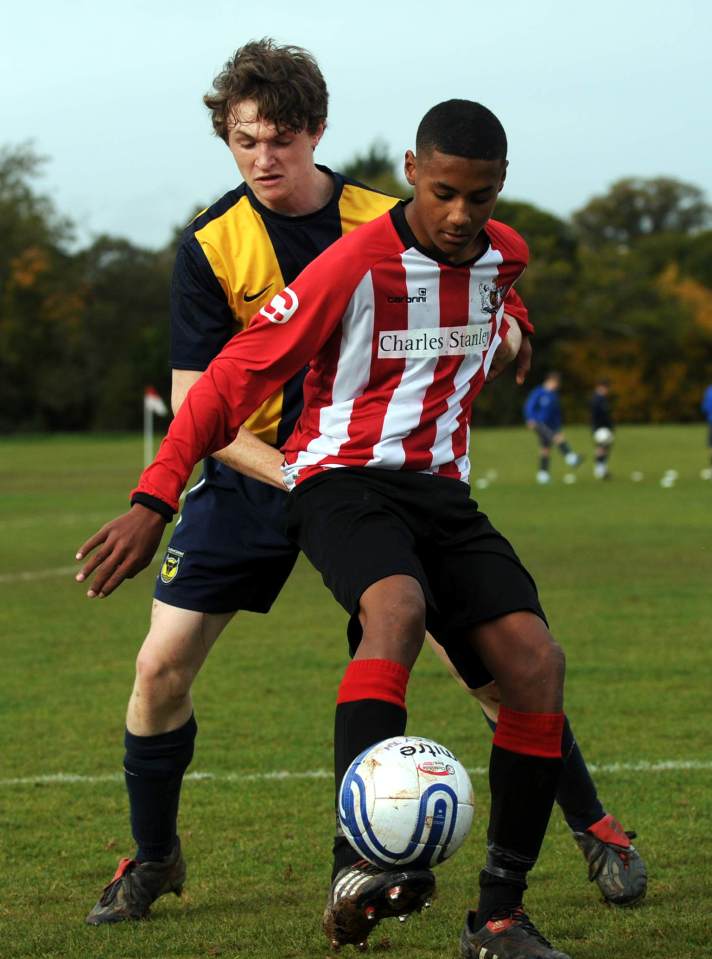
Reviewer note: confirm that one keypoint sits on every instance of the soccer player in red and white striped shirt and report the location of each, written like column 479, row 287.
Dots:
column 399, row 322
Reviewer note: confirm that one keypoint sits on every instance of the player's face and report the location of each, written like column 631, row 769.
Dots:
column 276, row 166
column 453, row 199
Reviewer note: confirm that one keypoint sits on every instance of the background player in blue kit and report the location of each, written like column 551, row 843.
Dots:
column 707, row 410
column 228, row 551
column 542, row 413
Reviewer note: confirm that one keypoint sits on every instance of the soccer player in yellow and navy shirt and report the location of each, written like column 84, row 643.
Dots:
column 228, row 551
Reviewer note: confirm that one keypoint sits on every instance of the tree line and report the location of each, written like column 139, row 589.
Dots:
column 622, row 289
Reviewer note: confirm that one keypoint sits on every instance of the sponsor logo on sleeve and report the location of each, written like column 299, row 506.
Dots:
column 438, row 341
column 281, row 307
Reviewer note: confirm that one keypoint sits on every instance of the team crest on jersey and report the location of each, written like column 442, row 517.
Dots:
column 170, row 566
column 281, row 307
column 491, row 296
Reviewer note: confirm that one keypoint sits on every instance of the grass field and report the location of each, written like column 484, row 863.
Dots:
column 625, row 574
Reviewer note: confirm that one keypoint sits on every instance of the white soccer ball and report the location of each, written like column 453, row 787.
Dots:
column 406, row 801
column 603, row 436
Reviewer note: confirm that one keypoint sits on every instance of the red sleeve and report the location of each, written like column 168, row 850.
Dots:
column 280, row 340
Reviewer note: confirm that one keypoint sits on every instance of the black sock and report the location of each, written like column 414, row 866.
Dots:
column 523, row 789
column 564, row 448
column 577, row 791
column 576, row 794
column 544, row 462
column 154, row 768
column 357, row 726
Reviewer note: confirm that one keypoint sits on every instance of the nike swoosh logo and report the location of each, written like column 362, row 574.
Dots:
column 249, row 297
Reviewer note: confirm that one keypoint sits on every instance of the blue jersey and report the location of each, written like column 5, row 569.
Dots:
column 543, row 406
column 707, row 404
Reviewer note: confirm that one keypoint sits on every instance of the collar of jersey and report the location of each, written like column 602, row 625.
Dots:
column 265, row 211
column 408, row 237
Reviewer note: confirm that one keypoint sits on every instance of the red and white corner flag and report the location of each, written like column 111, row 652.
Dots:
column 153, row 405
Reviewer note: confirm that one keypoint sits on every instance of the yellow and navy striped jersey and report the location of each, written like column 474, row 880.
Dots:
column 234, row 257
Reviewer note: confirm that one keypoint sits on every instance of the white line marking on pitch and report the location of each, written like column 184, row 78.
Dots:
column 29, row 575
column 54, row 779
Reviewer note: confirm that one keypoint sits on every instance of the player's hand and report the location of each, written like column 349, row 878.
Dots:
column 124, row 546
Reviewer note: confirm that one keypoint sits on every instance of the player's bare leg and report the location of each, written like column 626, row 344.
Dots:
column 371, row 707
column 614, row 863
column 160, row 732
column 177, row 645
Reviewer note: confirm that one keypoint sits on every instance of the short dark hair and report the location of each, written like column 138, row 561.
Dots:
column 284, row 81
column 462, row 128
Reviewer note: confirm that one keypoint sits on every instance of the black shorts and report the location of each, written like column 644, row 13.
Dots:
column 545, row 433
column 229, row 550
column 360, row 525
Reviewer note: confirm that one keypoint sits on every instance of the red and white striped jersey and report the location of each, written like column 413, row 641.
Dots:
column 398, row 345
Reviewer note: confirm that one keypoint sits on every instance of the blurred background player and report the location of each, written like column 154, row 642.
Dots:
column 707, row 410
column 542, row 413
column 601, row 428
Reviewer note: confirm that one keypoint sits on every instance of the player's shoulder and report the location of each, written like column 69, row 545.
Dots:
column 218, row 221
column 508, row 241
column 358, row 192
column 359, row 249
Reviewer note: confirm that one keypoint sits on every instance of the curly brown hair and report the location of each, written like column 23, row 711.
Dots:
column 284, row 81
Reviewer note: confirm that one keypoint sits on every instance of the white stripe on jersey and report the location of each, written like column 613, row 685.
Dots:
column 406, row 403
column 352, row 375
column 485, row 270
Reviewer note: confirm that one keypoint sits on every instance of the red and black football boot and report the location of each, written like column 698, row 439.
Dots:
column 614, row 863
column 508, row 934
column 135, row 886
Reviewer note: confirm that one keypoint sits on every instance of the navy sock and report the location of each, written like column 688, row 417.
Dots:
column 576, row 794
column 154, row 768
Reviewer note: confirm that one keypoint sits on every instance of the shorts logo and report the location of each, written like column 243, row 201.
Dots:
column 281, row 307
column 171, row 562
column 491, row 296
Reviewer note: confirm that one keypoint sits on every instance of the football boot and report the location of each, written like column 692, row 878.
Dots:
column 509, row 934
column 613, row 862
column 135, row 886
column 361, row 895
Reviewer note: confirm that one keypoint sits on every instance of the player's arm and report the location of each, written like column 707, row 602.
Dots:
column 247, row 453
column 515, row 345
column 255, row 363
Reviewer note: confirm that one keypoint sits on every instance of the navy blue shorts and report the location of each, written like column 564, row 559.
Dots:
column 229, row 550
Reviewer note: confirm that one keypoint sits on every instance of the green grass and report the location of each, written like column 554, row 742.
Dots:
column 624, row 571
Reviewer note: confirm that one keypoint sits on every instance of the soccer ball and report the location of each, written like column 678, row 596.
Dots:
column 603, row 436
column 406, row 801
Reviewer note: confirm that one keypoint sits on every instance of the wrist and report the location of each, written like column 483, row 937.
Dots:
column 153, row 504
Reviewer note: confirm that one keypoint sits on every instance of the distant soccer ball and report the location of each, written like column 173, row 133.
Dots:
column 406, row 801
column 603, row 436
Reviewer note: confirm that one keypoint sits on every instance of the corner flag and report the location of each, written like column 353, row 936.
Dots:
column 152, row 405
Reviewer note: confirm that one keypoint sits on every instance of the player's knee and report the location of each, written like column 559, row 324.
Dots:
column 160, row 679
column 392, row 615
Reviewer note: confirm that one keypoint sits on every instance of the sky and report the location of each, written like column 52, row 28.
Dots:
column 588, row 92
